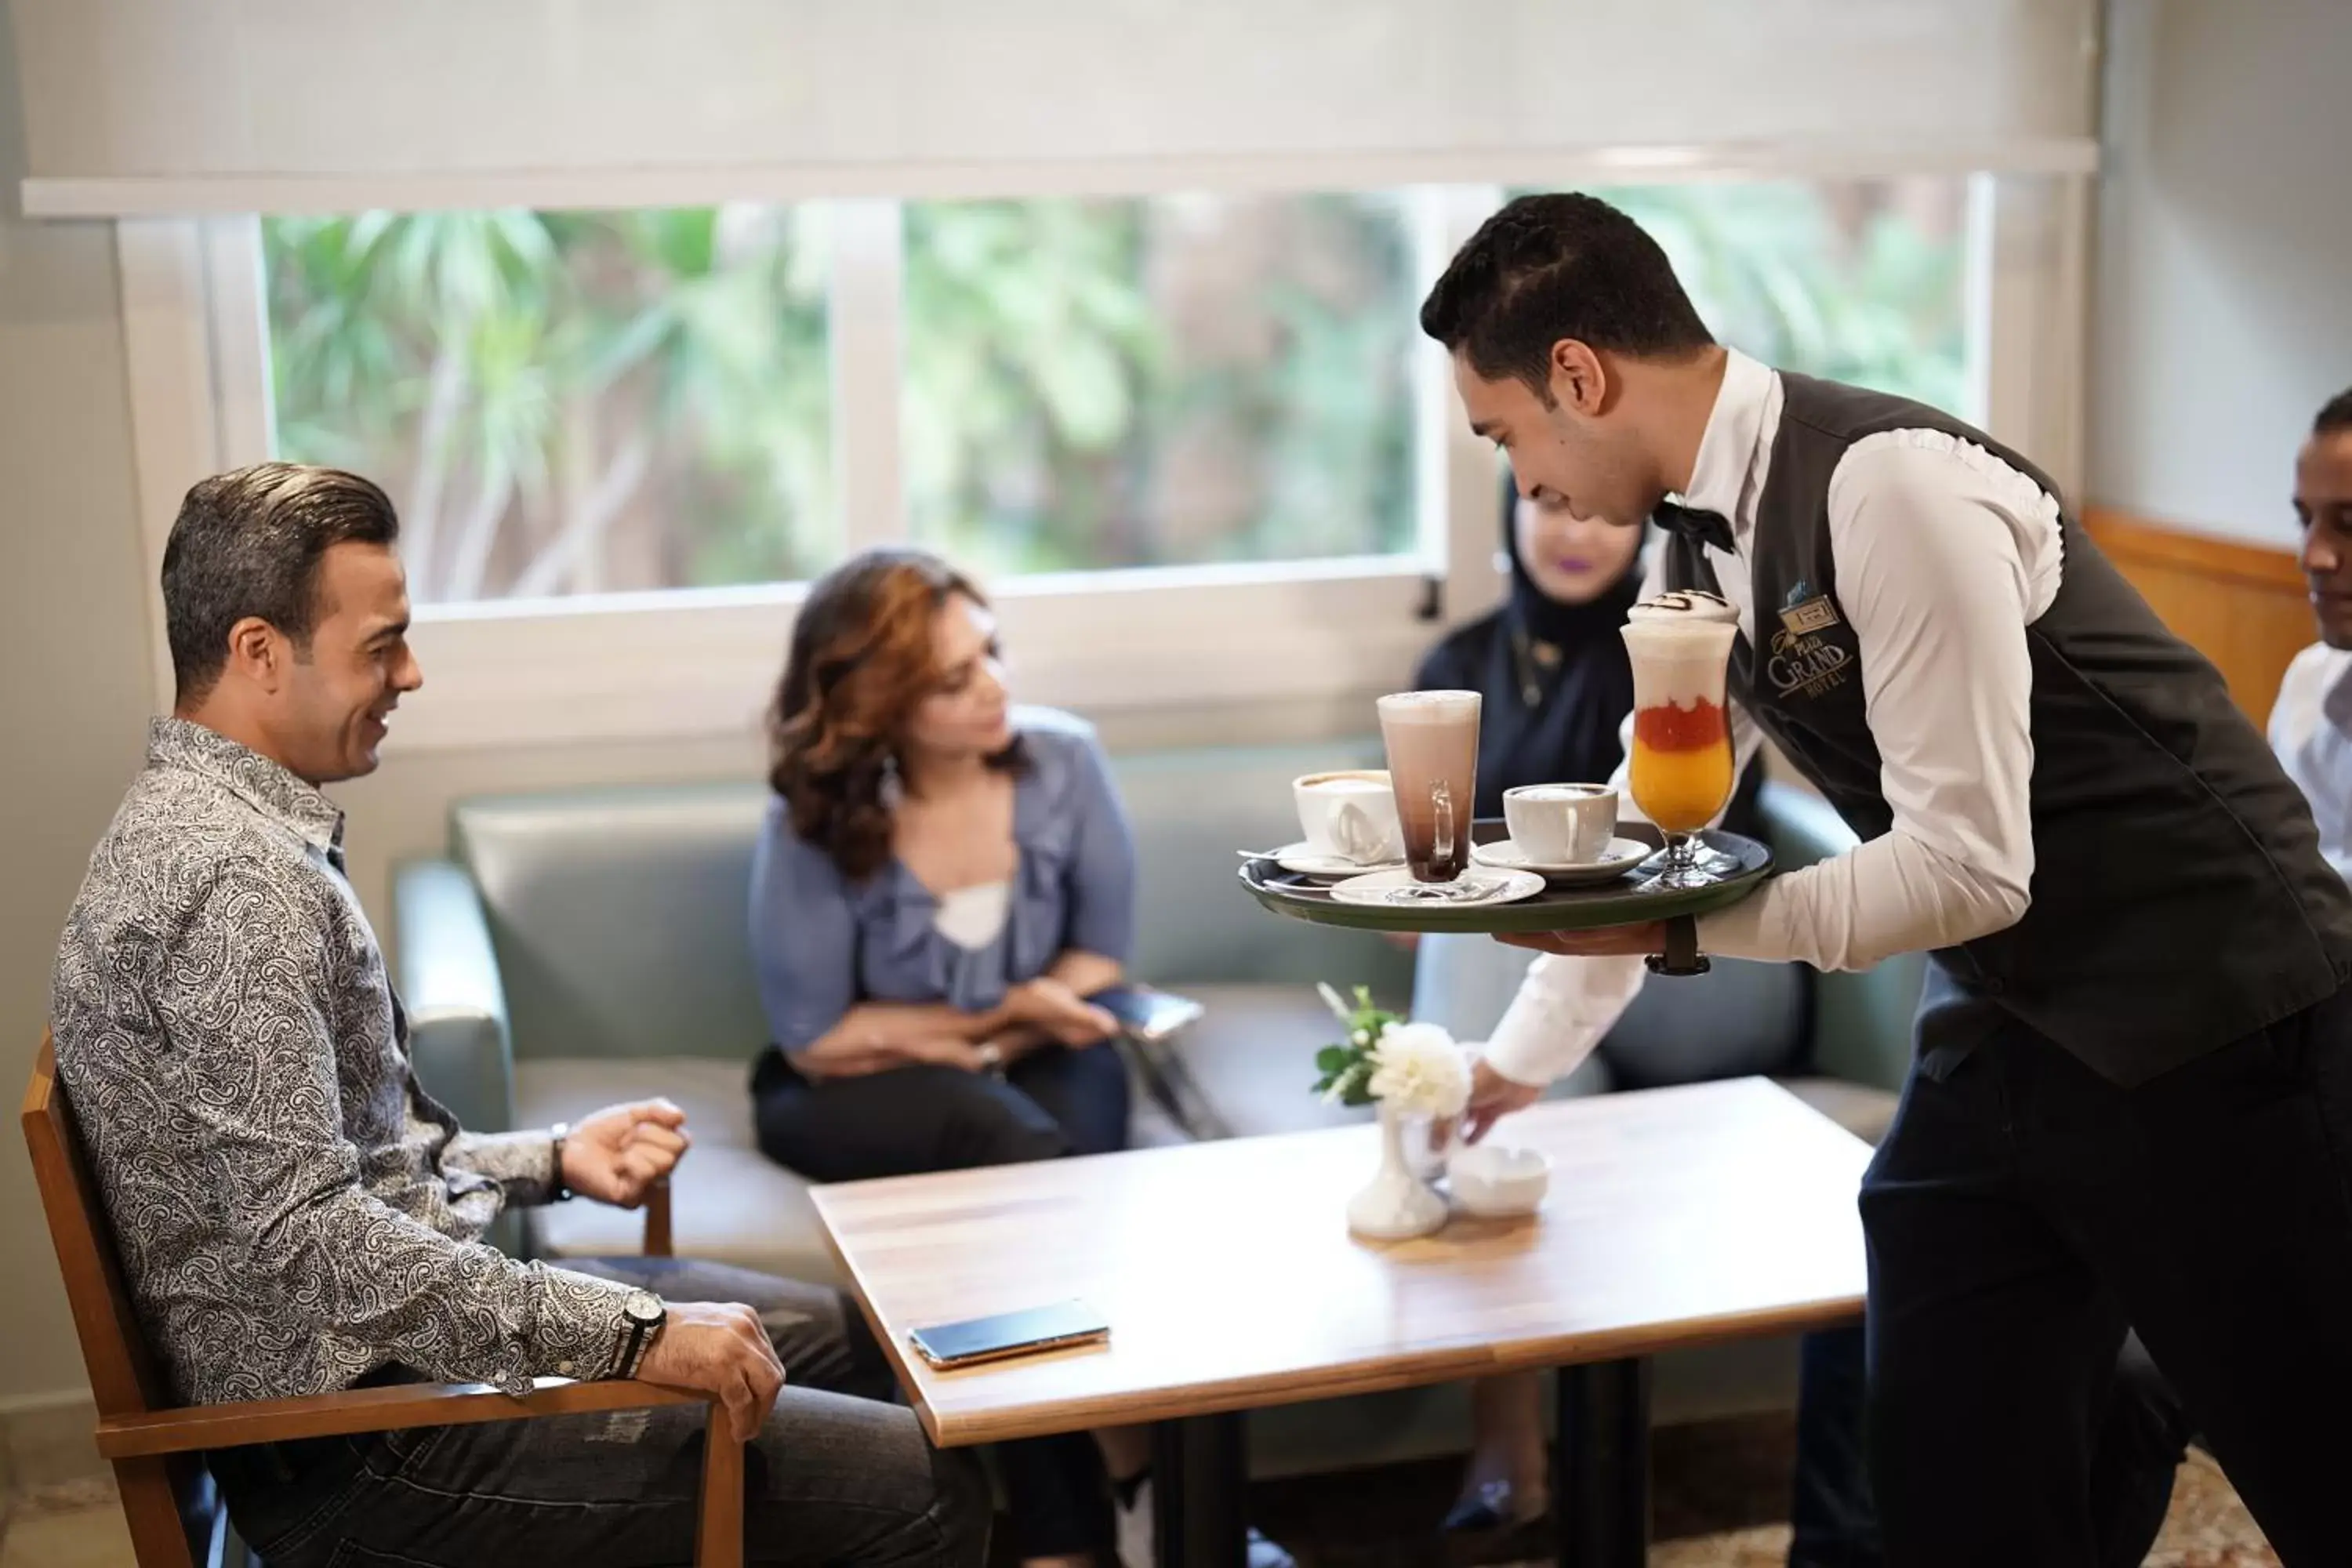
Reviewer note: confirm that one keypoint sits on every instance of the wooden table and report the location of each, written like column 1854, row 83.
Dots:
column 1680, row 1217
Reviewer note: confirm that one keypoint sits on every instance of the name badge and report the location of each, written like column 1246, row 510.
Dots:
column 1804, row 663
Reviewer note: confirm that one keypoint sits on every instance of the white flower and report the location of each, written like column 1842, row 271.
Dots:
column 1418, row 1069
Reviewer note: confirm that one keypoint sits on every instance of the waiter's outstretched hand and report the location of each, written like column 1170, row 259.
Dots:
column 1492, row 1098
column 1610, row 942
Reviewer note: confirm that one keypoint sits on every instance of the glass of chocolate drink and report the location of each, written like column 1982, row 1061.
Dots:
column 1433, row 746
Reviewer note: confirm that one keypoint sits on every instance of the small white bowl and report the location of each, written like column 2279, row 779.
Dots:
column 1495, row 1183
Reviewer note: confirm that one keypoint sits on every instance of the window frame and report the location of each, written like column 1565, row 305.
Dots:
column 1311, row 635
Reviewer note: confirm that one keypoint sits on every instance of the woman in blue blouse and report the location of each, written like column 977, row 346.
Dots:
column 942, row 881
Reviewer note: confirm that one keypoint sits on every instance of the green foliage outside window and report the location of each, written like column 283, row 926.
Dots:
column 580, row 402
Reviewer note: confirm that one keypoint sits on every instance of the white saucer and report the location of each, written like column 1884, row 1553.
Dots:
column 1493, row 887
column 1622, row 855
column 1301, row 858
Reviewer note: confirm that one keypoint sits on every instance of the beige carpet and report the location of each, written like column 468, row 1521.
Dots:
column 2207, row 1528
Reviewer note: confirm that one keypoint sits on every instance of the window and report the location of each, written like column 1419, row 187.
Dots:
column 566, row 403
column 1222, row 401
column 1857, row 280
column 1175, row 381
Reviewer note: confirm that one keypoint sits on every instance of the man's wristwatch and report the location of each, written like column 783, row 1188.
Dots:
column 643, row 1313
column 560, row 1189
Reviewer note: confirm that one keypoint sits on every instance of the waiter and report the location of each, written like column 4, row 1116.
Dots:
column 2131, row 1097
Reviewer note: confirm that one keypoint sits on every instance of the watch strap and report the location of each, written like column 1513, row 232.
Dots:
column 639, row 1339
column 558, row 1189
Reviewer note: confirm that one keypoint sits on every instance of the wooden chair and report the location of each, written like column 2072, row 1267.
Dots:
column 172, row 1509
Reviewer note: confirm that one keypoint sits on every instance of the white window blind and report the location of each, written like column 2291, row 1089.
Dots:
column 154, row 107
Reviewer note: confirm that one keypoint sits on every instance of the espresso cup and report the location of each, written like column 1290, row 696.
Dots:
column 1349, row 816
column 1561, row 823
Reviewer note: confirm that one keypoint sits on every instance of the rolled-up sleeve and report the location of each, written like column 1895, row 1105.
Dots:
column 803, row 935
column 1101, row 877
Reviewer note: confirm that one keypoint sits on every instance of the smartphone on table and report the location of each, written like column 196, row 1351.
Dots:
column 977, row 1341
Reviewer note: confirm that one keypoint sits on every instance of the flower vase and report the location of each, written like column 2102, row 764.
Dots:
column 1397, row 1205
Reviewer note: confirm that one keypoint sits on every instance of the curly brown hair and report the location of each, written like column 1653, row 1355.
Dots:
column 860, row 665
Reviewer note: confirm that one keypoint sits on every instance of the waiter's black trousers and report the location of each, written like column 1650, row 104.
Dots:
column 2024, row 1210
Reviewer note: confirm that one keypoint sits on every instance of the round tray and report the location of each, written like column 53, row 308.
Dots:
column 1618, row 903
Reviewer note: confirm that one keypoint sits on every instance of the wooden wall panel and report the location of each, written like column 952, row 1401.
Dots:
column 2245, row 606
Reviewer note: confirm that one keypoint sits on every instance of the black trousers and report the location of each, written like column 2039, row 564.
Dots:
column 2024, row 1210
column 2140, row 1442
column 1050, row 1103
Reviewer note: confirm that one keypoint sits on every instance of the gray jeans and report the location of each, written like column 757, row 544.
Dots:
column 840, row 1476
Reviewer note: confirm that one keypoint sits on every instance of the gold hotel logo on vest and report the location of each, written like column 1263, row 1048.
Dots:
column 1804, row 662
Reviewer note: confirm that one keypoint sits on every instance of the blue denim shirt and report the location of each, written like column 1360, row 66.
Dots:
column 822, row 944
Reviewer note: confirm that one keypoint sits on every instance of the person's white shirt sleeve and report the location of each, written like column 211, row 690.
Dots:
column 1944, row 555
column 2311, row 732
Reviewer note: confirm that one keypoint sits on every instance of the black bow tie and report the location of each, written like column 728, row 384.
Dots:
column 1709, row 528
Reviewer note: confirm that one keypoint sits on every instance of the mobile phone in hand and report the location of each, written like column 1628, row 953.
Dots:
column 1146, row 1014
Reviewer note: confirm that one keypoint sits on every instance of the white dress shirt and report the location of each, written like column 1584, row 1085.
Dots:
column 1944, row 555
column 2310, row 730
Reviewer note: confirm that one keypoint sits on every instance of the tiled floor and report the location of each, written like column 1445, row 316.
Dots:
column 83, row 1529
column 78, row 1526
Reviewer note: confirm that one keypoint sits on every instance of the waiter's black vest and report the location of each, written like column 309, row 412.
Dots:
column 2179, row 899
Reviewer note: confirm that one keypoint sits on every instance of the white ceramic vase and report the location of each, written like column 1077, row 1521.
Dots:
column 1397, row 1205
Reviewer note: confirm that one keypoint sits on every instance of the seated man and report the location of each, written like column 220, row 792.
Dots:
column 296, row 1217
column 2311, row 726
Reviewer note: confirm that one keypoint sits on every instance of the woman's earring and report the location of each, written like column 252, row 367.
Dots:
column 892, row 789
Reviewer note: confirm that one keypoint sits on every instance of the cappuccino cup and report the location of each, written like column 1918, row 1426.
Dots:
column 1561, row 823
column 1349, row 816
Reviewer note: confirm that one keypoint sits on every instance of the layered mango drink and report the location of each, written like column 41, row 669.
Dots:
column 1680, row 772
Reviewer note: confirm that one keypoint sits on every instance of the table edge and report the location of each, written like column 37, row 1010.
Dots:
column 951, row 1429
column 901, row 1370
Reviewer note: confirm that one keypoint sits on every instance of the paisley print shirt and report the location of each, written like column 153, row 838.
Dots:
column 291, row 1210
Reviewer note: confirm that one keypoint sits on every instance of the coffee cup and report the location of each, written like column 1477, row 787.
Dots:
column 1561, row 823
column 1349, row 816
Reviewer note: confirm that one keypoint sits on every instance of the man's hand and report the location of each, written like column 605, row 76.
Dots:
column 1610, row 942
column 616, row 1155
column 1060, row 1012
column 1492, row 1098
column 720, row 1350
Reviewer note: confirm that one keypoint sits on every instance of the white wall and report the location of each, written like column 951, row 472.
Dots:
column 73, row 668
column 2222, row 306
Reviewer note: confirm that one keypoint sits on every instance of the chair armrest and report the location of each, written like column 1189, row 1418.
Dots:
column 658, row 1239
column 1862, row 1020
column 388, row 1409
column 1802, row 826
column 449, row 979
